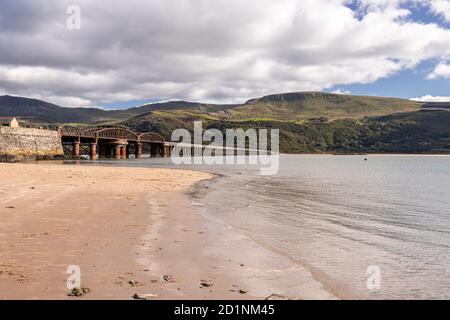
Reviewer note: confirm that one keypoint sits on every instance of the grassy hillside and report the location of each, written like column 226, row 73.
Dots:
column 436, row 105
column 180, row 105
column 35, row 111
column 303, row 106
column 291, row 107
column 41, row 112
column 425, row 131
column 319, row 123
column 285, row 107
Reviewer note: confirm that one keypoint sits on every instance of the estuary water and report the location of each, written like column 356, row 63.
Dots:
column 346, row 219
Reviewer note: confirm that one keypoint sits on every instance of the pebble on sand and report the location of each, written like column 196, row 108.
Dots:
column 168, row 278
column 276, row 297
column 78, row 292
column 205, row 284
column 145, row 296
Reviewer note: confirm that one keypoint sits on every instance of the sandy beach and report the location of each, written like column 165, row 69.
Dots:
column 129, row 230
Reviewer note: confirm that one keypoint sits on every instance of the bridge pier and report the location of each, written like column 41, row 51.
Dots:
column 138, row 150
column 76, row 149
column 93, row 151
column 165, row 151
column 117, row 151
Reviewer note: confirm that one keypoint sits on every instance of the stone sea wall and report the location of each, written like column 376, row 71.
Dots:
column 25, row 144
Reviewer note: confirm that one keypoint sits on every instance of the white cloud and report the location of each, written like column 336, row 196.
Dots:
column 340, row 91
column 69, row 102
column 441, row 7
column 430, row 98
column 442, row 70
column 215, row 50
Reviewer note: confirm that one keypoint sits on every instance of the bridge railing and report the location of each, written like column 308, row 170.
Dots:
column 89, row 133
column 69, row 132
column 150, row 137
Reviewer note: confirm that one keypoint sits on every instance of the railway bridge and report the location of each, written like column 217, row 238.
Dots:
column 112, row 142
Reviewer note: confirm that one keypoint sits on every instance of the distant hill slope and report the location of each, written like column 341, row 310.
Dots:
column 288, row 107
column 180, row 105
column 322, row 123
column 424, row 131
column 38, row 111
column 436, row 105
column 307, row 105
column 41, row 112
column 285, row 107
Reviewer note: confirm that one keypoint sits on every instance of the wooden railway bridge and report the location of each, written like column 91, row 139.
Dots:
column 118, row 143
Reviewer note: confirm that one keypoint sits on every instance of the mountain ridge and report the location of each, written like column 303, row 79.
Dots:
column 309, row 122
column 39, row 111
column 293, row 106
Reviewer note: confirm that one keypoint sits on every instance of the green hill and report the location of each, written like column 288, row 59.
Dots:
column 291, row 107
column 307, row 105
column 308, row 121
column 436, row 105
column 40, row 112
column 424, row 131
column 37, row 111
column 322, row 123
column 286, row 107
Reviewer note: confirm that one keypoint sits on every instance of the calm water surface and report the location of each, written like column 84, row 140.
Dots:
column 338, row 215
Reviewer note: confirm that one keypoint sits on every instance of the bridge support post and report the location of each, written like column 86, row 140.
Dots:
column 138, row 150
column 123, row 151
column 117, row 153
column 76, row 149
column 165, row 151
column 93, row 151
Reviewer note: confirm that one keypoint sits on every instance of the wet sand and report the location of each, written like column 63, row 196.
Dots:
column 130, row 230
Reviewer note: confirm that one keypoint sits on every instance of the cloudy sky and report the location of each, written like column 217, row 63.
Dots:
column 123, row 53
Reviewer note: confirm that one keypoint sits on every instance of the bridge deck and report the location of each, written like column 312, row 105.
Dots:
column 117, row 142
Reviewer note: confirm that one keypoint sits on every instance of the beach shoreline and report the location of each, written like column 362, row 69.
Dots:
column 263, row 270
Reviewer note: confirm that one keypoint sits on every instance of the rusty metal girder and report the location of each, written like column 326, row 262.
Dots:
column 150, row 137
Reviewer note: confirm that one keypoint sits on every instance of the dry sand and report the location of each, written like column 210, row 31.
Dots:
column 130, row 230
